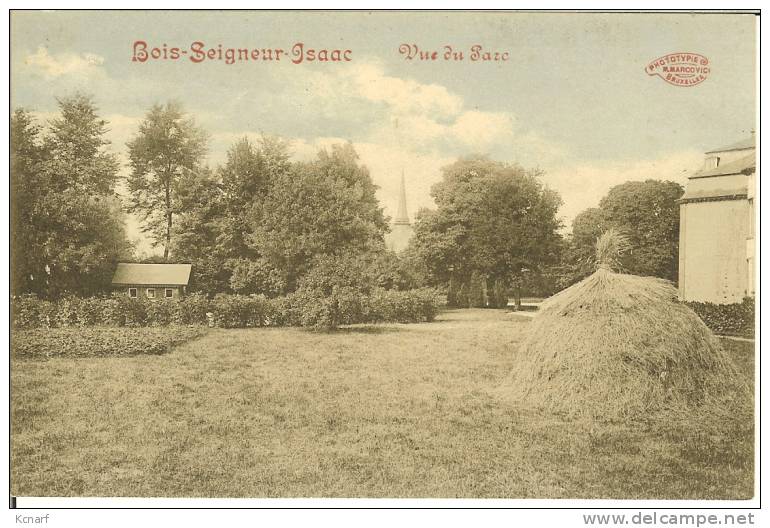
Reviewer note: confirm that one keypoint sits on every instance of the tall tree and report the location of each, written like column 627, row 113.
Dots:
column 168, row 145
column 213, row 224
column 324, row 207
column 68, row 225
column 647, row 212
column 27, row 157
column 493, row 223
column 197, row 228
column 245, row 178
column 77, row 142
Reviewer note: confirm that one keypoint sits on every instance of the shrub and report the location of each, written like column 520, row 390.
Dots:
column 89, row 311
column 330, row 272
column 192, row 310
column 160, row 313
column 412, row 306
column 111, row 312
column 43, row 343
column 348, row 306
column 249, row 276
column 66, row 311
column 239, row 311
column 134, row 311
column 281, row 311
column 431, row 301
column 312, row 309
column 25, row 311
column 735, row 319
column 307, row 307
column 47, row 313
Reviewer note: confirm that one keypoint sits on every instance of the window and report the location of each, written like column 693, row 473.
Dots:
column 169, row 293
column 150, row 293
column 132, row 293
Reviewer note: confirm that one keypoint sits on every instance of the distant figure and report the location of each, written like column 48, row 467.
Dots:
column 401, row 230
column 716, row 227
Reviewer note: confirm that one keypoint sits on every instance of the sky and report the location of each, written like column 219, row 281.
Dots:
column 572, row 98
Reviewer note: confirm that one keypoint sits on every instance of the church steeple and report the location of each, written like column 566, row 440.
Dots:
column 402, row 217
column 401, row 230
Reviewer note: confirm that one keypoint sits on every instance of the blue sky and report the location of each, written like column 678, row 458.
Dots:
column 573, row 99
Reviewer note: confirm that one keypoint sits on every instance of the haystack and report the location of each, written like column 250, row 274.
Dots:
column 616, row 346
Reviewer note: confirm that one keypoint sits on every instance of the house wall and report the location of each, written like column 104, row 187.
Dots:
column 718, row 185
column 159, row 291
column 714, row 260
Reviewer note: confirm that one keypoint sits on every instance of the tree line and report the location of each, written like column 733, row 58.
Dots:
column 262, row 223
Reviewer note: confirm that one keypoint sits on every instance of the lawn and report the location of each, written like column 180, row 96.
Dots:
column 379, row 411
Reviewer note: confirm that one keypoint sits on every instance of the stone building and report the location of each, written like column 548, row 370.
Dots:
column 401, row 230
column 716, row 227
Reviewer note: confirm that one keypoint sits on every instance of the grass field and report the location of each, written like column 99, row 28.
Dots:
column 384, row 411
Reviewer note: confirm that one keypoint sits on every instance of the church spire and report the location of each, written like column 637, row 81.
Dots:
column 402, row 217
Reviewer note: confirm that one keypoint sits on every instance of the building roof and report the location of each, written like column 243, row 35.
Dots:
column 742, row 165
column 748, row 143
column 152, row 274
column 402, row 217
column 722, row 192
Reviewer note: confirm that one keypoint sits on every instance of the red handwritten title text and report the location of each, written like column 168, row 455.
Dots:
column 476, row 53
column 198, row 52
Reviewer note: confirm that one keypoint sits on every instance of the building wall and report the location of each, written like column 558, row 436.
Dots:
column 716, row 185
column 159, row 291
column 713, row 262
column 398, row 238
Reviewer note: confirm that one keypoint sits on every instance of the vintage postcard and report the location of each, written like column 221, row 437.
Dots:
column 481, row 255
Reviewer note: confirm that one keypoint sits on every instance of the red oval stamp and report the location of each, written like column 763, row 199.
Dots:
column 680, row 69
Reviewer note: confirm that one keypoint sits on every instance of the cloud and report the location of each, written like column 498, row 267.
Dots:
column 583, row 185
column 424, row 116
column 52, row 66
column 374, row 106
column 403, row 96
column 421, row 171
column 414, row 127
column 306, row 150
column 480, row 129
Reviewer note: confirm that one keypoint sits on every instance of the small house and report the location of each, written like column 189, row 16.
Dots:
column 152, row 281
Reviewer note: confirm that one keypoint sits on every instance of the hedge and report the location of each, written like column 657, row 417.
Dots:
column 37, row 343
column 306, row 308
column 735, row 319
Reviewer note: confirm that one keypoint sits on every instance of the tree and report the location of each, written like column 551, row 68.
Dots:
column 245, row 179
column 324, row 207
column 27, row 156
column 76, row 140
column 648, row 214
column 200, row 208
column 493, row 223
column 212, row 225
column 167, row 146
column 579, row 252
column 68, row 227
column 86, row 238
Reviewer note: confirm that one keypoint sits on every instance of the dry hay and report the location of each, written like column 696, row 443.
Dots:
column 617, row 346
